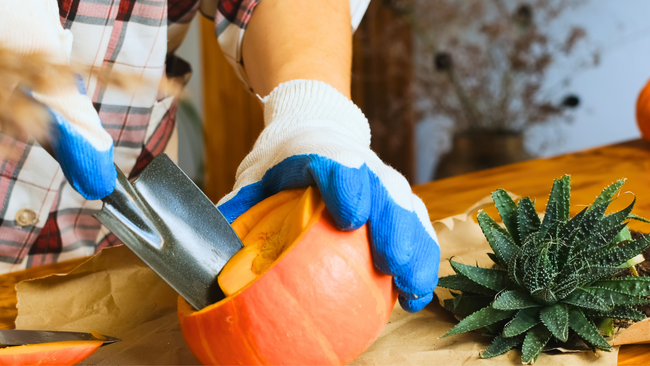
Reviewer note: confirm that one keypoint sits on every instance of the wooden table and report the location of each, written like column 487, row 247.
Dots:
column 590, row 170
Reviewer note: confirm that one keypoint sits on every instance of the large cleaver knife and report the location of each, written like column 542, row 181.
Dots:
column 165, row 219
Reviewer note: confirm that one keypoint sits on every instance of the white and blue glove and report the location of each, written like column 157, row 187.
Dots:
column 315, row 136
column 82, row 147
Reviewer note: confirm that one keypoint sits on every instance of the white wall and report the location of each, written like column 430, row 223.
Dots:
column 608, row 93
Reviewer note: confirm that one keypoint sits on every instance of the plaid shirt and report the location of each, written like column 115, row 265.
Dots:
column 42, row 219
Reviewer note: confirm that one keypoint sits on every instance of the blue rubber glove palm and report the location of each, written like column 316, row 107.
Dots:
column 316, row 136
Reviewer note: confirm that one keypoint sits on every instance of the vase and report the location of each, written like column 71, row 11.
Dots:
column 478, row 150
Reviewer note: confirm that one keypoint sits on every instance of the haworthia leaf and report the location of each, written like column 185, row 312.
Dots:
column 501, row 345
column 619, row 312
column 494, row 329
column 634, row 286
column 466, row 304
column 587, row 330
column 560, row 195
column 508, row 211
column 638, row 218
column 595, row 273
column 619, row 298
column 564, row 288
column 591, row 220
column 514, row 300
column 597, row 241
column 572, row 226
column 491, row 278
column 550, row 218
column 487, row 225
column 462, row 283
column 534, row 342
column 524, row 320
column 528, row 218
column 606, row 327
column 586, row 299
column 607, row 193
column 494, row 259
column 606, row 231
column 556, row 319
column 480, row 319
column 505, row 247
column 544, row 296
column 615, row 219
column 514, row 269
column 624, row 235
column 619, row 255
column 544, row 272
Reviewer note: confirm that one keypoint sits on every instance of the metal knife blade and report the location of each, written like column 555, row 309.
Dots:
column 15, row 337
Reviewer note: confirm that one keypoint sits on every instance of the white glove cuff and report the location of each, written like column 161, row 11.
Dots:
column 293, row 103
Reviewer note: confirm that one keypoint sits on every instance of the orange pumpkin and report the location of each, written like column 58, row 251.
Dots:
column 299, row 292
column 643, row 112
column 55, row 353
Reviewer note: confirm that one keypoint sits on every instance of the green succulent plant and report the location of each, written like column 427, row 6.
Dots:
column 553, row 277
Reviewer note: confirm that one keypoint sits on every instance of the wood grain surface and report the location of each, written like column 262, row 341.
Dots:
column 590, row 170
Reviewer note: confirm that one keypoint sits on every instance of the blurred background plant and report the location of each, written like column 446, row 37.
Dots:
column 482, row 71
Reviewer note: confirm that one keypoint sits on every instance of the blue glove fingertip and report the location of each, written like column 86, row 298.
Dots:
column 414, row 305
column 392, row 228
column 422, row 276
column 346, row 192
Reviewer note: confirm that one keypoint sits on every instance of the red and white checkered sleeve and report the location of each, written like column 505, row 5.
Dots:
column 232, row 17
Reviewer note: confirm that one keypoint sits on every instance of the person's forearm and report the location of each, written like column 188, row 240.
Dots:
column 304, row 39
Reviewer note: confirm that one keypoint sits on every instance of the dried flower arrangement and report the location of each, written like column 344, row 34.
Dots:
column 488, row 61
column 554, row 279
column 488, row 72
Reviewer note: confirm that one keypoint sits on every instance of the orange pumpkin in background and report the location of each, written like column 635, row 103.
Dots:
column 643, row 112
column 299, row 292
column 55, row 353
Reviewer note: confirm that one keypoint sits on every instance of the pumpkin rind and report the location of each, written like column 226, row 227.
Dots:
column 55, row 353
column 323, row 302
column 643, row 112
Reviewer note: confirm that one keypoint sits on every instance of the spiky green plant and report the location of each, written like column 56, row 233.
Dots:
column 553, row 277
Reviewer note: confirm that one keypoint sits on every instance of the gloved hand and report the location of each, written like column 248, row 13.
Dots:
column 80, row 144
column 316, row 136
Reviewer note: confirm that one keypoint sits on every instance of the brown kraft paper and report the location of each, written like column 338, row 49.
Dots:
column 116, row 294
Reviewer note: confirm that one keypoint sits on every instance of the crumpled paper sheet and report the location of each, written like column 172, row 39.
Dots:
column 110, row 293
column 116, row 294
column 119, row 295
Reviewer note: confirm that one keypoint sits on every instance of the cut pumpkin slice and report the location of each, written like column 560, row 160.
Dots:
column 55, row 353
